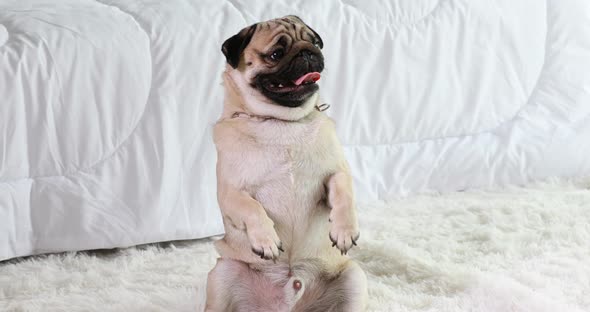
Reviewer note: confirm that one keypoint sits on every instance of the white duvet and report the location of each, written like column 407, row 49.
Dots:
column 106, row 106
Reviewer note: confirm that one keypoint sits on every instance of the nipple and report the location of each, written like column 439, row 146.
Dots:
column 297, row 284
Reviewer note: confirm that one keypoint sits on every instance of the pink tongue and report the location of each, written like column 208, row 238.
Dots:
column 309, row 77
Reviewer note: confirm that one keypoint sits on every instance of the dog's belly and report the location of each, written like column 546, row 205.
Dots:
column 296, row 203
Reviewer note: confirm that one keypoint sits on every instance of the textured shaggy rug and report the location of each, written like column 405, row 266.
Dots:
column 519, row 249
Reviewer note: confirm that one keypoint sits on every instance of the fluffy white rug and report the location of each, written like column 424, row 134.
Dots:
column 521, row 249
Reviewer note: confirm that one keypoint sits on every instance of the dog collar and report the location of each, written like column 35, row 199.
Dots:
column 246, row 115
column 319, row 108
column 322, row 107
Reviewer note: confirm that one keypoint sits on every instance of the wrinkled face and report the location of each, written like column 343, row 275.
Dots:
column 281, row 59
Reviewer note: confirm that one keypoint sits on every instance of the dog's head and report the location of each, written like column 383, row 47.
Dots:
column 275, row 65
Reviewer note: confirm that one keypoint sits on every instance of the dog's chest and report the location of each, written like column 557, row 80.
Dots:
column 284, row 166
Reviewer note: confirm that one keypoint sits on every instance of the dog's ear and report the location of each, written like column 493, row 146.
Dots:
column 233, row 47
column 317, row 36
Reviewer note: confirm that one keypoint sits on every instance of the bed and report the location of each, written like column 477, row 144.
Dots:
column 107, row 106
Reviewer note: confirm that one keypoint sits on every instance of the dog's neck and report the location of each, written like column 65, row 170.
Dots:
column 239, row 114
column 235, row 106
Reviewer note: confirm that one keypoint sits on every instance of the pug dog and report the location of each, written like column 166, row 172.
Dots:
column 283, row 184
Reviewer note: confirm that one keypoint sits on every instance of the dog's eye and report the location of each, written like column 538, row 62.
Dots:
column 317, row 44
column 277, row 55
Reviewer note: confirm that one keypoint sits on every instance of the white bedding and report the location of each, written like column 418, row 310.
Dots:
column 107, row 106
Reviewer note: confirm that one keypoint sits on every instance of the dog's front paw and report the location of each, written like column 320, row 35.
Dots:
column 344, row 232
column 264, row 240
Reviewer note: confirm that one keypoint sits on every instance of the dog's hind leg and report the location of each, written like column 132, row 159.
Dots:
column 219, row 284
column 232, row 286
column 354, row 283
column 347, row 292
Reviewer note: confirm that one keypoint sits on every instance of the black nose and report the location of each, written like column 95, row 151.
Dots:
column 306, row 53
column 308, row 60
